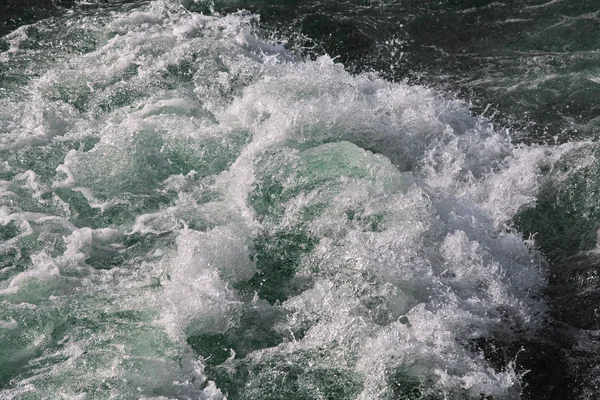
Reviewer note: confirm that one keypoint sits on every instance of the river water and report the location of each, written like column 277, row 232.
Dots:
column 283, row 199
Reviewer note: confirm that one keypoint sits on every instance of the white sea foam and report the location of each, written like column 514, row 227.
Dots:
column 206, row 140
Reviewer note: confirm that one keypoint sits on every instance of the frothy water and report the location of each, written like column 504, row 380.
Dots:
column 188, row 210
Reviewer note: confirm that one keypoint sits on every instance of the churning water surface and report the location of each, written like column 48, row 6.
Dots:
column 301, row 200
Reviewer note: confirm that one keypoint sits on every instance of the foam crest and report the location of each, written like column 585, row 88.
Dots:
column 198, row 294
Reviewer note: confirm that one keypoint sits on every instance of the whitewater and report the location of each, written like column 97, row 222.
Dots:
column 191, row 210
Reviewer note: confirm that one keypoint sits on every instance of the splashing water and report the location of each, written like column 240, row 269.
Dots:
column 190, row 211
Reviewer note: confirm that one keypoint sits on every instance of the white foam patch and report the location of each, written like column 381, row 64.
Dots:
column 438, row 256
column 42, row 268
column 197, row 294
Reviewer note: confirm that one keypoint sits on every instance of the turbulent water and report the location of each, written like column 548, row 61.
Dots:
column 259, row 200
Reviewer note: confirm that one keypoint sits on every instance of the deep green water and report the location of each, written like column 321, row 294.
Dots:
column 300, row 200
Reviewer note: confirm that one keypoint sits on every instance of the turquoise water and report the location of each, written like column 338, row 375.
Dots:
column 193, row 208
